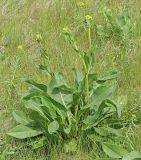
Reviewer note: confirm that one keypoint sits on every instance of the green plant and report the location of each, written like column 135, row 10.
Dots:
column 118, row 26
column 64, row 113
column 118, row 152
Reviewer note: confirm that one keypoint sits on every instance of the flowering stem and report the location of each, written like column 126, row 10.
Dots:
column 87, row 86
column 87, row 70
column 89, row 36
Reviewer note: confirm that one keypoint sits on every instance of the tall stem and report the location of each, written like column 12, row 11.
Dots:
column 87, row 86
column 89, row 35
column 87, row 69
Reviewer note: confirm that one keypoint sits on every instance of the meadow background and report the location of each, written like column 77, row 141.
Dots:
column 22, row 20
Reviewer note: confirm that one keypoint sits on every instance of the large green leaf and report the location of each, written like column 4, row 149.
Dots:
column 53, row 107
column 100, row 114
column 21, row 132
column 30, row 94
column 132, row 156
column 94, row 138
column 59, row 91
column 101, row 93
column 39, row 121
column 108, row 76
column 53, row 127
column 39, row 86
column 20, row 117
column 48, row 107
column 92, row 77
column 78, row 76
column 107, row 131
column 114, row 150
column 30, row 104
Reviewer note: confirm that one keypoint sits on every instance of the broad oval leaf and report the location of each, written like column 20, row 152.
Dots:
column 78, row 76
column 108, row 76
column 132, row 155
column 59, row 91
column 107, row 131
column 114, row 150
column 100, row 114
column 48, row 107
column 22, row 132
column 30, row 104
column 38, row 86
column 53, row 127
column 101, row 93
column 20, row 117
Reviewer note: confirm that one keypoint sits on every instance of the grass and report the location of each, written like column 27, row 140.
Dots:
column 20, row 21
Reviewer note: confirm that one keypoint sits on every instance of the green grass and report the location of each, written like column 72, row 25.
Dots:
column 20, row 21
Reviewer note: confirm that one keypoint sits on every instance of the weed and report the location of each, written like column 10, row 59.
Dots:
column 63, row 113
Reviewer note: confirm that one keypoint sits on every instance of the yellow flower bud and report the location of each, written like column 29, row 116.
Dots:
column 20, row 47
column 88, row 17
column 65, row 30
column 38, row 37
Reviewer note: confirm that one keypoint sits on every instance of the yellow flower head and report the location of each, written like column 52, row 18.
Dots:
column 38, row 37
column 20, row 47
column 88, row 17
column 80, row 4
column 65, row 30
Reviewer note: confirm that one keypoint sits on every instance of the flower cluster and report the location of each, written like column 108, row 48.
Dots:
column 20, row 47
column 65, row 30
column 38, row 37
column 88, row 17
